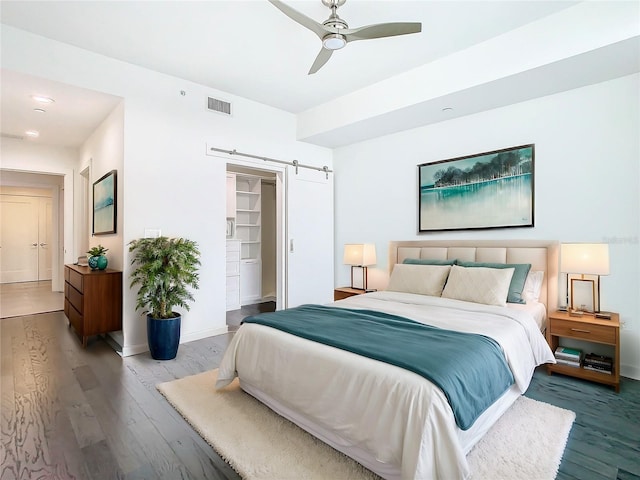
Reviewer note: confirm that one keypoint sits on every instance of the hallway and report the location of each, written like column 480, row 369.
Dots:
column 28, row 298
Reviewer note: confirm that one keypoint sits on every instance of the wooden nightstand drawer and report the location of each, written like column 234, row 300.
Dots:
column 583, row 331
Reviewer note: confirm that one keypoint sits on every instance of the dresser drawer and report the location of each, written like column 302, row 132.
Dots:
column 584, row 331
column 233, row 283
column 76, row 280
column 233, row 269
column 233, row 246
column 76, row 319
column 75, row 297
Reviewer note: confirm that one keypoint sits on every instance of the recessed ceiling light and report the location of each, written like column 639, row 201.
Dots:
column 39, row 110
column 42, row 99
column 32, row 133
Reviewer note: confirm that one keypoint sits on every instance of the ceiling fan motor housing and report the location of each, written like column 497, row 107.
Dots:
column 333, row 3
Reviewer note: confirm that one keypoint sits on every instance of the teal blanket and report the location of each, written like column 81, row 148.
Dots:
column 470, row 369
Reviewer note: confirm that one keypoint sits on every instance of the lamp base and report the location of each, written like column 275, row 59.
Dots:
column 359, row 279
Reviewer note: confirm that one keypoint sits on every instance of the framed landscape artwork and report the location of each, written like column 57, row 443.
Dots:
column 486, row 190
column 104, row 204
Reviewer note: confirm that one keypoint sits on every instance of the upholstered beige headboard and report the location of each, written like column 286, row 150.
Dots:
column 542, row 255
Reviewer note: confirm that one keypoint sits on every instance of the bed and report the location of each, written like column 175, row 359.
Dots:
column 394, row 421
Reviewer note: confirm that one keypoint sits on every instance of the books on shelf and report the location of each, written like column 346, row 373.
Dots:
column 570, row 363
column 569, row 354
column 598, row 363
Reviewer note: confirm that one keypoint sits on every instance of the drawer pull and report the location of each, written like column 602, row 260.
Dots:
column 580, row 330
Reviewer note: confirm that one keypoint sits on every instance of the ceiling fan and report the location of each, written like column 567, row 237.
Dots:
column 335, row 33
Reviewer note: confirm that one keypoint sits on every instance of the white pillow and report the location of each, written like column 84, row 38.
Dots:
column 489, row 286
column 420, row 279
column 532, row 286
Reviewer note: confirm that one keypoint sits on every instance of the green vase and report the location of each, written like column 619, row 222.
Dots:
column 102, row 262
column 93, row 262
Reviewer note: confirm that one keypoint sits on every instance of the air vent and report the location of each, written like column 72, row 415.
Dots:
column 10, row 135
column 220, row 106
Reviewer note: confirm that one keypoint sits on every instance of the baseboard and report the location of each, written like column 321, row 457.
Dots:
column 212, row 332
column 142, row 348
column 134, row 350
column 630, row 371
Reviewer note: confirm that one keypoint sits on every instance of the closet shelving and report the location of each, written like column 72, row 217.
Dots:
column 249, row 233
column 248, row 193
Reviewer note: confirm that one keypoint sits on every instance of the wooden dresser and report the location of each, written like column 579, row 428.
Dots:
column 92, row 300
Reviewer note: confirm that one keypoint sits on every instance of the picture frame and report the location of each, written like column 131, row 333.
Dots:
column 584, row 292
column 486, row 190
column 105, row 204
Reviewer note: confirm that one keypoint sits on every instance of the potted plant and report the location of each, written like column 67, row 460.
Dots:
column 165, row 270
column 97, row 258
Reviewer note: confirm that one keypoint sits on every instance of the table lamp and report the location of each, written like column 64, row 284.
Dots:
column 585, row 259
column 359, row 256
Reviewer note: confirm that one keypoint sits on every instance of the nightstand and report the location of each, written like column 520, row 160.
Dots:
column 345, row 292
column 590, row 329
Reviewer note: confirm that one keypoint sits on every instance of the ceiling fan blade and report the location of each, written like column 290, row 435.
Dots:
column 381, row 30
column 300, row 18
column 321, row 59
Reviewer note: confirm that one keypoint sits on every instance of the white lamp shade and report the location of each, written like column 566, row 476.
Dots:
column 587, row 258
column 359, row 254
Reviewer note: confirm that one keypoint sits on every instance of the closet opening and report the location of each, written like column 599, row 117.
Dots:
column 254, row 254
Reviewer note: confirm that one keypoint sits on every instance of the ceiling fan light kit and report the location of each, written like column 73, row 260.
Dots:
column 335, row 32
column 334, row 41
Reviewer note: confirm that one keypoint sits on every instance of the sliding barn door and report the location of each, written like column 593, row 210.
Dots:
column 310, row 237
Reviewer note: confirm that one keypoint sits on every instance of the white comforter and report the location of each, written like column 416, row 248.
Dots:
column 399, row 417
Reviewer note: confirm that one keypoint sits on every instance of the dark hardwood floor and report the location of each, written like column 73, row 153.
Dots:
column 73, row 413
column 235, row 317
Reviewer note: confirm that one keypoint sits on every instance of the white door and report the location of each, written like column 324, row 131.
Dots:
column 45, row 219
column 18, row 238
column 310, row 237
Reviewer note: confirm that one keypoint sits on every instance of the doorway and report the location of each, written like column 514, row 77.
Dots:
column 31, row 239
column 254, row 242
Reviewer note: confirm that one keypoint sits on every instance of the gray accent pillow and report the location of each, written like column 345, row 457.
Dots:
column 517, row 281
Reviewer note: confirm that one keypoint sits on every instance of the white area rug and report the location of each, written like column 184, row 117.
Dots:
column 526, row 443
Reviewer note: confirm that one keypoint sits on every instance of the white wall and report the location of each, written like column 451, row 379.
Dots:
column 168, row 180
column 103, row 152
column 587, row 179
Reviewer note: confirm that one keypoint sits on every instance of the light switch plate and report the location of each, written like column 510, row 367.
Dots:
column 152, row 233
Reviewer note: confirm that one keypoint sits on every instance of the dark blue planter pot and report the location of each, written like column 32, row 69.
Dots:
column 163, row 336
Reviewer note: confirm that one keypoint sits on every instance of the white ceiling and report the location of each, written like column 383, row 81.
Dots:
column 246, row 48
column 68, row 122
